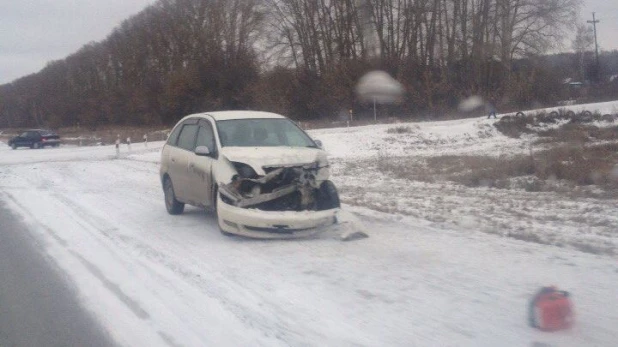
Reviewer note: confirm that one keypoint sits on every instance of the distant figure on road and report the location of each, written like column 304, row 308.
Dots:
column 491, row 110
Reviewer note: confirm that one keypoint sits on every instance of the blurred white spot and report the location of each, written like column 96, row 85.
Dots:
column 380, row 87
column 471, row 103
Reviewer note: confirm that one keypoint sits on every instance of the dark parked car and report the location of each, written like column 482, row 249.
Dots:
column 35, row 138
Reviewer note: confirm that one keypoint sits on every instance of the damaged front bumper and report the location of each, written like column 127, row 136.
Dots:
column 273, row 224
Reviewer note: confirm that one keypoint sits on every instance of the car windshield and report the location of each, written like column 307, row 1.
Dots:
column 268, row 132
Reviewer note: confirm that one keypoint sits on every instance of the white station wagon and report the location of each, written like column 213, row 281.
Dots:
column 262, row 175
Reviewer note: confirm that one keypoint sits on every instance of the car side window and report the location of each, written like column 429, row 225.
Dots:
column 206, row 137
column 186, row 139
column 173, row 138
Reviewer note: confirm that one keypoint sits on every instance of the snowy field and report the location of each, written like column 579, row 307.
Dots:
column 437, row 269
column 588, row 222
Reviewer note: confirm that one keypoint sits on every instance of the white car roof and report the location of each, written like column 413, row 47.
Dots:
column 227, row 115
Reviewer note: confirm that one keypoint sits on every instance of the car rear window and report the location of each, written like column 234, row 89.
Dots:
column 47, row 133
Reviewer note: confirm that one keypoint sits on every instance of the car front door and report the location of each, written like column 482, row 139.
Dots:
column 200, row 167
column 22, row 140
column 179, row 157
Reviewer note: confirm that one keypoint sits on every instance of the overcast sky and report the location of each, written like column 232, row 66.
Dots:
column 34, row 32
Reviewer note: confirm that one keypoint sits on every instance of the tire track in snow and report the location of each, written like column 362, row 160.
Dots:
column 25, row 211
column 215, row 284
column 78, row 217
column 93, row 269
column 112, row 237
column 224, row 287
column 132, row 304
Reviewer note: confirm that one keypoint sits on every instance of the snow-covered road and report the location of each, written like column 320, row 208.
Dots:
column 153, row 279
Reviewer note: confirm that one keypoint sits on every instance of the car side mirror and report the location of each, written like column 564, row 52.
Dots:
column 319, row 144
column 202, row 151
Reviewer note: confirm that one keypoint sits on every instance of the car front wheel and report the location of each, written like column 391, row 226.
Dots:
column 327, row 196
column 172, row 205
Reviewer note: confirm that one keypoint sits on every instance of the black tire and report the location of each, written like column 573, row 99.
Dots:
column 327, row 196
column 173, row 206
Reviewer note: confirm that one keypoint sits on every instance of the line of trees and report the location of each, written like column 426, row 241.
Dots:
column 297, row 57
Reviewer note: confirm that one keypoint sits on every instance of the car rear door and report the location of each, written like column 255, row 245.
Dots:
column 179, row 156
column 34, row 137
column 200, row 167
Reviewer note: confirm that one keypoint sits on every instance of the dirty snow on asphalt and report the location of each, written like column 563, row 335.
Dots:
column 158, row 280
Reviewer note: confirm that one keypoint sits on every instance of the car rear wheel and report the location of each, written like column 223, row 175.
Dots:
column 172, row 205
column 36, row 145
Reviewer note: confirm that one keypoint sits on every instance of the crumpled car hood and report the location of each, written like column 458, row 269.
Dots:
column 259, row 157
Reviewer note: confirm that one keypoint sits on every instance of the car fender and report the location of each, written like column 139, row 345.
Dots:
column 223, row 170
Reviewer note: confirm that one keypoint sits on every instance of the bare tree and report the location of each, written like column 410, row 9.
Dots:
column 582, row 43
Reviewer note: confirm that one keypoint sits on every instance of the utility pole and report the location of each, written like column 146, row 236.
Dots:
column 375, row 115
column 594, row 22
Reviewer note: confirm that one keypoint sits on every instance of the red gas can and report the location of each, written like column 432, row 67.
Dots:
column 551, row 309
